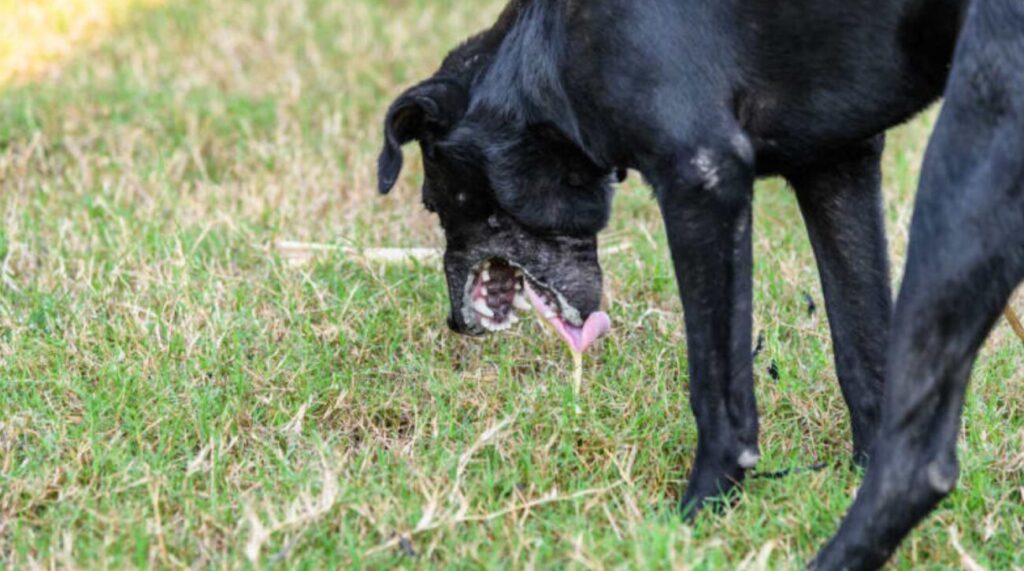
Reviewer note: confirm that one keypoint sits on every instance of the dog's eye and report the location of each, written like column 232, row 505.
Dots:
column 430, row 206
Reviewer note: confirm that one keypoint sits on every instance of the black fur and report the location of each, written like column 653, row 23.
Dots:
column 966, row 256
column 541, row 112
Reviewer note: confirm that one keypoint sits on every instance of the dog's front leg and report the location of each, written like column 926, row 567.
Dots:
column 705, row 198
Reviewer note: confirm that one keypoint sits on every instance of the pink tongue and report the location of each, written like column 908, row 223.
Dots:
column 579, row 338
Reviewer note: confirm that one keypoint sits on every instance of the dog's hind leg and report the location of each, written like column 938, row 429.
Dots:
column 966, row 256
column 841, row 203
column 940, row 323
column 952, row 296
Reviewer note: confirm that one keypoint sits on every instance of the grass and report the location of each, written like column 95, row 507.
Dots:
column 36, row 35
column 173, row 392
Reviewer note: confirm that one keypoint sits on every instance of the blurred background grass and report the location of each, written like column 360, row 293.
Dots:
column 36, row 35
column 174, row 393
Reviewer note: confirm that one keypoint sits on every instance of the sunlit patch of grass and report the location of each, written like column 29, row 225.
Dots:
column 39, row 35
column 172, row 393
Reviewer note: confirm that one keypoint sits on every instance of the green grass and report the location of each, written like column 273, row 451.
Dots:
column 174, row 392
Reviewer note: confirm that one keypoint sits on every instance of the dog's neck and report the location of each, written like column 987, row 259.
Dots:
column 475, row 54
column 514, row 70
column 524, row 81
column 525, row 74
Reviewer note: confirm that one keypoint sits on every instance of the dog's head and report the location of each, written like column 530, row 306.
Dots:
column 521, row 206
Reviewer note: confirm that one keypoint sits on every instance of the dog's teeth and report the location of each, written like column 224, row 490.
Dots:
column 482, row 308
column 486, row 275
column 483, row 291
column 487, row 265
column 520, row 302
column 493, row 326
column 519, row 286
column 548, row 313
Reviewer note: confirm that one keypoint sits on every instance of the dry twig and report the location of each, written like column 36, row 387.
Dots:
column 1015, row 322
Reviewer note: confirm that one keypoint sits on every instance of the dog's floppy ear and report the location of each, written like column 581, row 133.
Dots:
column 425, row 111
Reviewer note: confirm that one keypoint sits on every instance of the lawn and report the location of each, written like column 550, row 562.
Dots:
column 178, row 391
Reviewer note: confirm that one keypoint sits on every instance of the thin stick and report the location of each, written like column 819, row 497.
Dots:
column 1015, row 323
column 302, row 252
column 299, row 253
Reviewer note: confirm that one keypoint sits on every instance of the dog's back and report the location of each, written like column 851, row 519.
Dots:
column 828, row 72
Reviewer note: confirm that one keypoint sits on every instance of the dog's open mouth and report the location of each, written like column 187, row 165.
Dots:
column 496, row 289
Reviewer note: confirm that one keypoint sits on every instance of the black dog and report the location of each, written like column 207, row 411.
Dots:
column 966, row 256
column 525, row 127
